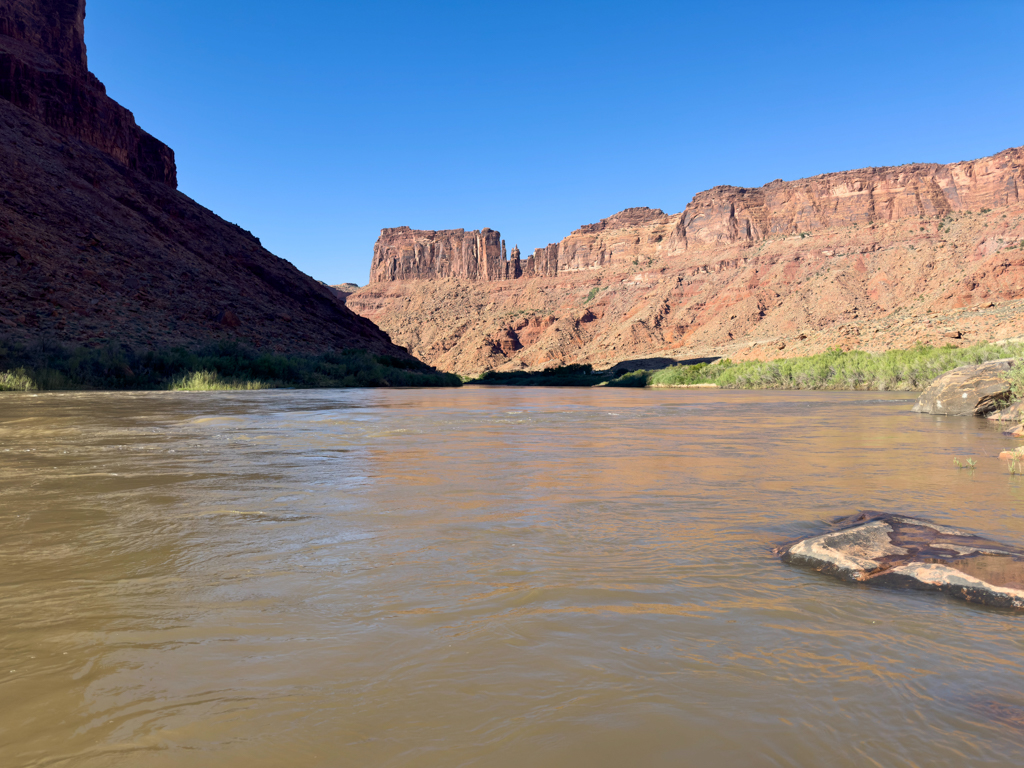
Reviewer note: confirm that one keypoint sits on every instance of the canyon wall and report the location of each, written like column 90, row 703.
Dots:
column 402, row 254
column 722, row 215
column 866, row 196
column 96, row 243
column 44, row 71
column 875, row 259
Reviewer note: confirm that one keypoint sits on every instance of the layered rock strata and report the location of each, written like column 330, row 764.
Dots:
column 872, row 259
column 723, row 215
column 44, row 71
column 97, row 245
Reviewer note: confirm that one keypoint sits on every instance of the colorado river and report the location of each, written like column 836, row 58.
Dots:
column 487, row 577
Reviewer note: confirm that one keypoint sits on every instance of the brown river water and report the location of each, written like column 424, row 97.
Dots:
column 488, row 577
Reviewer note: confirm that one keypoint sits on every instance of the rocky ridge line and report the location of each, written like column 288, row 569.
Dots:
column 722, row 215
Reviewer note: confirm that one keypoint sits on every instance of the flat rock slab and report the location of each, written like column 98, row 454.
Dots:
column 900, row 551
column 970, row 390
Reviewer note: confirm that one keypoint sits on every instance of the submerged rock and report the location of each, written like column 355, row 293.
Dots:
column 970, row 390
column 900, row 551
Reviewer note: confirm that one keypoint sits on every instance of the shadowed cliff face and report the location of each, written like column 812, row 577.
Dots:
column 96, row 244
column 53, row 32
column 44, row 71
column 875, row 259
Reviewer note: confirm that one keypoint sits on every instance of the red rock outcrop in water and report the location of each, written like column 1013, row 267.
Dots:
column 96, row 244
column 876, row 258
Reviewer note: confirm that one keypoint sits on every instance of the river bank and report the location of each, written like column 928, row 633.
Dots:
column 902, row 370
column 221, row 366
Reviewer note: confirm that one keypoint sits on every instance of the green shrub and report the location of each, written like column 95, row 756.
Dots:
column 1016, row 378
column 631, row 379
column 900, row 369
column 218, row 366
column 575, row 375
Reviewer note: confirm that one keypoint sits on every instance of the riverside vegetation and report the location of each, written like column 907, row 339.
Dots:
column 898, row 369
column 903, row 369
column 223, row 366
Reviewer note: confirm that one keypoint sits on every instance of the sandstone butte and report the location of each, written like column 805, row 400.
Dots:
column 96, row 242
column 874, row 259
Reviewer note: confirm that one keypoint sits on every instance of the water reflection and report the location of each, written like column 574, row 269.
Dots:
column 486, row 577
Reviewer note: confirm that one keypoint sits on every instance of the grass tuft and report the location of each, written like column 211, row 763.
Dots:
column 16, row 381
column 211, row 381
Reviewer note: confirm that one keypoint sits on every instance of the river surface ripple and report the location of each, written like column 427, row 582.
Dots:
column 487, row 577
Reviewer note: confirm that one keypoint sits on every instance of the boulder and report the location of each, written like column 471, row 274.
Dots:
column 901, row 551
column 1014, row 412
column 1017, row 431
column 970, row 390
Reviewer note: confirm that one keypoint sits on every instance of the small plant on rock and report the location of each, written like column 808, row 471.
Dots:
column 1015, row 459
column 1016, row 378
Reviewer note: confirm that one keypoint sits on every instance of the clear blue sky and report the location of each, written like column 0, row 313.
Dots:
column 315, row 123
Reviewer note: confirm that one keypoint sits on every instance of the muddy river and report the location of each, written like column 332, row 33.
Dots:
column 488, row 577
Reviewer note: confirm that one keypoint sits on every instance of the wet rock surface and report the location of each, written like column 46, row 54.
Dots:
column 970, row 390
column 900, row 551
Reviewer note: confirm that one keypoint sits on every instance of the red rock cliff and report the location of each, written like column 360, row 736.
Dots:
column 723, row 215
column 44, row 70
column 866, row 196
column 877, row 259
column 402, row 253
